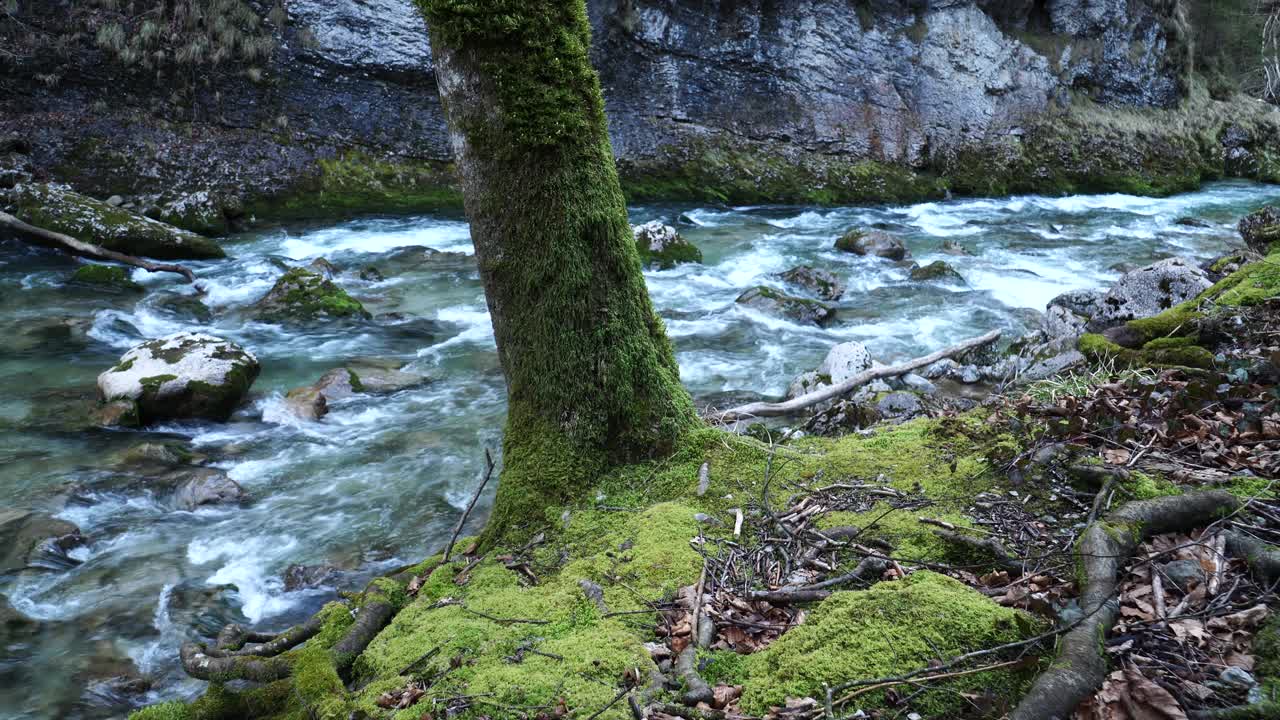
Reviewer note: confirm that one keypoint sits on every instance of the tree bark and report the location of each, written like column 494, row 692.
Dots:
column 591, row 377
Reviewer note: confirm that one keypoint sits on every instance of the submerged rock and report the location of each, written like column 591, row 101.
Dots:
column 106, row 277
column 1151, row 290
column 199, row 486
column 771, row 301
column 30, row 539
column 187, row 375
column 873, row 242
column 301, row 295
column 937, row 270
column 661, row 246
column 306, row 577
column 363, row 375
column 825, row 284
column 59, row 209
column 1261, row 229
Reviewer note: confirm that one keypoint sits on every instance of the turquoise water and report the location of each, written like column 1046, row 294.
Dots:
column 380, row 481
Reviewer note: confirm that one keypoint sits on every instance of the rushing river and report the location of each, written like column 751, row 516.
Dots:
column 380, row 480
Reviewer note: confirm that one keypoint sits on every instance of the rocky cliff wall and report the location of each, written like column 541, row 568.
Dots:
column 792, row 100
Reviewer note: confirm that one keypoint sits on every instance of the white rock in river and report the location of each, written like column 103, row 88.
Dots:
column 187, row 375
column 1151, row 290
column 844, row 361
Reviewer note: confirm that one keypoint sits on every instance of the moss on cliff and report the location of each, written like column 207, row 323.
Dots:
column 359, row 183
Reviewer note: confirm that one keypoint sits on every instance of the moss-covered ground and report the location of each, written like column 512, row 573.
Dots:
column 488, row 633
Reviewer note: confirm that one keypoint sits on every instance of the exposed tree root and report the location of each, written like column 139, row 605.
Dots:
column 1256, row 711
column 1103, row 549
column 764, row 409
column 68, row 244
column 1262, row 558
column 987, row 545
column 869, row 568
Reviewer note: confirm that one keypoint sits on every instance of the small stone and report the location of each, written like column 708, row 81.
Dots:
column 308, row 403
column 306, row 577
column 661, row 246
column 370, row 273
column 1237, row 677
column 969, row 375
column 824, row 284
column 873, row 242
column 914, row 382
column 115, row 201
column 938, row 270
column 206, row 486
column 1186, row 574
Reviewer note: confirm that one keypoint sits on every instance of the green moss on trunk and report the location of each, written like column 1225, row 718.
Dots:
column 591, row 377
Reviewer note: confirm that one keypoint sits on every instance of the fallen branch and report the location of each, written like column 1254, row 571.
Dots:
column 66, row 243
column 457, row 528
column 764, row 409
column 987, row 545
column 868, row 568
column 1261, row 557
column 1103, row 548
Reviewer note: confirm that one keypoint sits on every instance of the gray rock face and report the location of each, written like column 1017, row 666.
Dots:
column 873, row 242
column 1080, row 302
column 1151, row 290
column 1062, row 327
column 380, row 36
column 900, row 405
column 30, row 539
column 939, row 271
column 772, row 302
column 1261, row 229
column 187, row 375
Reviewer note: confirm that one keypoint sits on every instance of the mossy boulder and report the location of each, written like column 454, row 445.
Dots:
column 890, row 629
column 301, row 296
column 31, row 539
column 59, row 209
column 824, row 284
column 182, row 376
column 873, row 242
column 106, row 277
column 773, row 302
column 1261, row 229
column 938, row 270
column 661, row 246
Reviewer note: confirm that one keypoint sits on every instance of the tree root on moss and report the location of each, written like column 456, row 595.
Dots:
column 1103, row 548
column 66, row 243
column 869, row 568
column 241, row 655
column 987, row 545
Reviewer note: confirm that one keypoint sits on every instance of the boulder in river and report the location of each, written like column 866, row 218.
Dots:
column 186, row 375
column 59, row 209
column 105, row 277
column 768, row 300
column 1151, row 290
column 937, row 270
column 301, row 295
column 31, row 539
column 196, row 487
column 376, row 376
column 824, row 284
column 873, row 242
column 1261, row 229
column 661, row 246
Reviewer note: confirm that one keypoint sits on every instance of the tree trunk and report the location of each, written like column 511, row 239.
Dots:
column 591, row 377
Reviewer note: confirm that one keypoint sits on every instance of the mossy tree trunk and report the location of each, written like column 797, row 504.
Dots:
column 591, row 377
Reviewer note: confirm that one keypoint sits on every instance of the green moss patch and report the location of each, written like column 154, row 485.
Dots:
column 890, row 629
column 106, row 276
column 301, row 295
